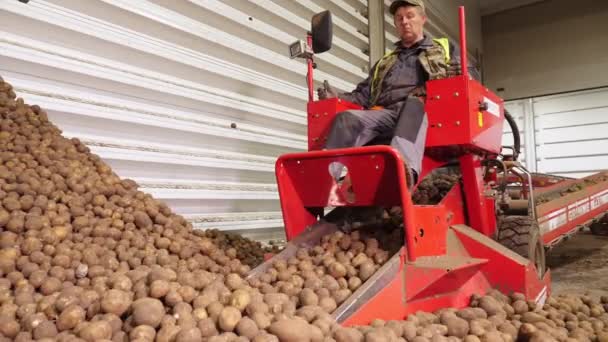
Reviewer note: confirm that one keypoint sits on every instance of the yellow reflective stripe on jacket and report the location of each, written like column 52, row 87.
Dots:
column 388, row 54
column 445, row 44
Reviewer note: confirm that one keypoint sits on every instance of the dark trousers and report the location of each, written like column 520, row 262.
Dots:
column 405, row 127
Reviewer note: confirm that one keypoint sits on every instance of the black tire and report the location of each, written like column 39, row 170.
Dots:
column 600, row 227
column 522, row 235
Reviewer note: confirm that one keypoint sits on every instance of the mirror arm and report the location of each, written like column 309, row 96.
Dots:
column 310, row 64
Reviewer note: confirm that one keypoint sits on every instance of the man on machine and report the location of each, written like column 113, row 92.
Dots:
column 393, row 94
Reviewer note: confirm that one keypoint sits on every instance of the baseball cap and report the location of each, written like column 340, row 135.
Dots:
column 398, row 3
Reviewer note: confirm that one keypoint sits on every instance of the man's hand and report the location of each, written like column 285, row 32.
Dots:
column 327, row 91
column 454, row 69
column 419, row 92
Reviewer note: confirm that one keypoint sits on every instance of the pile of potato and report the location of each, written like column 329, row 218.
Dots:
column 86, row 256
column 434, row 187
column 248, row 251
column 551, row 195
column 329, row 273
column 495, row 318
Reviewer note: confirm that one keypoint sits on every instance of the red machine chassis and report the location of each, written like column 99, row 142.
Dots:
column 443, row 261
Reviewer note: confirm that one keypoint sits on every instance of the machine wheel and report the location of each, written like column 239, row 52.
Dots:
column 522, row 235
column 600, row 227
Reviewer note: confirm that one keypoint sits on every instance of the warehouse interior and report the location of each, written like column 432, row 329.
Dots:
column 196, row 101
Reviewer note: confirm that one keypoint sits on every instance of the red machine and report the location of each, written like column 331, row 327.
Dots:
column 450, row 250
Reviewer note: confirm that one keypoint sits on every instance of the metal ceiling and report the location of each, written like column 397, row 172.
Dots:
column 495, row 6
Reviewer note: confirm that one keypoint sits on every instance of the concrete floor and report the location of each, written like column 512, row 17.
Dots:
column 580, row 265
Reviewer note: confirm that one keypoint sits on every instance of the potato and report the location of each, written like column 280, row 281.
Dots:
column 229, row 318
column 289, row 330
column 240, row 299
column 305, row 265
column 380, row 334
column 46, row 329
column 354, row 283
column 347, row 335
column 313, row 283
column 341, row 295
column 144, row 332
column 121, row 282
column 9, row 327
column 187, row 293
column 265, row 337
column 96, row 331
column 308, row 297
column 330, row 283
column 189, row 335
column 207, row 327
column 328, row 304
column 23, row 337
column 116, row 302
column 457, row 327
column 142, row 220
column 234, row 281
column 70, row 317
column 262, row 320
column 199, row 314
column 148, row 311
column 214, row 310
column 160, row 274
column 275, row 301
column 247, row 327
column 380, row 257
column 490, row 305
column 366, row 270
column 337, row 270
column 167, row 333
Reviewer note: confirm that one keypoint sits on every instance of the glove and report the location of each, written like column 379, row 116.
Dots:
column 454, row 69
column 419, row 92
column 327, row 91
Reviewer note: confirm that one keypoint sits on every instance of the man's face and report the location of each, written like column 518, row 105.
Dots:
column 410, row 23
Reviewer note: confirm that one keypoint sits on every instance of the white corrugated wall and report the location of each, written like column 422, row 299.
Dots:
column 156, row 87
column 569, row 132
column 518, row 111
column 572, row 132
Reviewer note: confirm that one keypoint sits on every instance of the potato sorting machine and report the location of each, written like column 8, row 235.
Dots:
column 492, row 228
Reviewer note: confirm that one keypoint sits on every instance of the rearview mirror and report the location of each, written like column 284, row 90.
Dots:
column 322, row 32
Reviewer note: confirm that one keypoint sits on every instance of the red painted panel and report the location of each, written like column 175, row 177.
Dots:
column 431, row 230
column 456, row 119
column 320, row 116
column 454, row 205
column 479, row 213
column 504, row 272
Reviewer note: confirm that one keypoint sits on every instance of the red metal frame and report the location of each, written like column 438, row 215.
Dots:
column 309, row 76
column 463, row 42
column 543, row 182
column 376, row 173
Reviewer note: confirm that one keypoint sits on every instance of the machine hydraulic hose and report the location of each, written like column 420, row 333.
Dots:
column 516, row 136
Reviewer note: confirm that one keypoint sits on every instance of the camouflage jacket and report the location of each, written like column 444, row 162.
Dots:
column 393, row 78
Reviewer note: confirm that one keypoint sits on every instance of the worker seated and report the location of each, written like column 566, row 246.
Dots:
column 394, row 93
